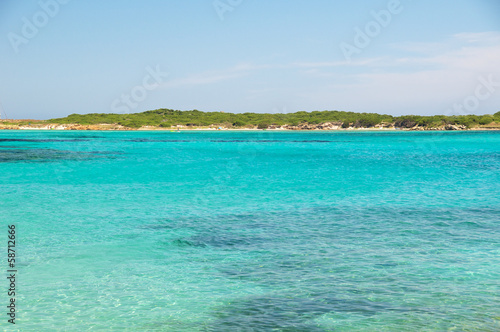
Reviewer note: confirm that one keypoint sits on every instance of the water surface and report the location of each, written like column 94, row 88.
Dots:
column 254, row 231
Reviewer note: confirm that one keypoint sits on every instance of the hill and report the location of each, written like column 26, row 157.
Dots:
column 170, row 119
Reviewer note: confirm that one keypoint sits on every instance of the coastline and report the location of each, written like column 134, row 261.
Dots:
column 305, row 127
column 194, row 120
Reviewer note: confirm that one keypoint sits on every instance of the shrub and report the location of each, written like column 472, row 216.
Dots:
column 239, row 123
column 365, row 122
column 496, row 116
column 405, row 123
column 485, row 119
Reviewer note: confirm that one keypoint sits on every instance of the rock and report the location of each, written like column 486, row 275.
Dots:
column 454, row 127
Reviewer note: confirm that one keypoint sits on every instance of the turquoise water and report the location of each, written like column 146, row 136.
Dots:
column 253, row 231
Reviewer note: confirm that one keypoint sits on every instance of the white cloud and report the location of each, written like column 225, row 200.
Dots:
column 416, row 78
column 427, row 80
column 211, row 77
column 489, row 37
column 353, row 63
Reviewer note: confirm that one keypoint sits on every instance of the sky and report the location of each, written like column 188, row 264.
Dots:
column 398, row 57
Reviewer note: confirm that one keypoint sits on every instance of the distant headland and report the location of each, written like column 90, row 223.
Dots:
column 168, row 119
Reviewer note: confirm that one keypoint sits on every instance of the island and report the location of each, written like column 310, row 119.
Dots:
column 168, row 119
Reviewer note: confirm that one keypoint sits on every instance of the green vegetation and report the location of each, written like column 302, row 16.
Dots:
column 167, row 118
column 468, row 121
column 19, row 122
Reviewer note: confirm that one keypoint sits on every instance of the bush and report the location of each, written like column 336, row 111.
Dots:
column 467, row 121
column 263, row 125
column 485, row 119
column 496, row 116
column 425, row 121
column 239, row 124
column 405, row 122
column 130, row 124
column 366, row 122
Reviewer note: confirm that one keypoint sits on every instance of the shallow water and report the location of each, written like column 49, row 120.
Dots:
column 253, row 231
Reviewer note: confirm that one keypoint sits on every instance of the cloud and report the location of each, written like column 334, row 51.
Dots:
column 352, row 63
column 465, row 51
column 489, row 37
column 211, row 77
column 245, row 69
column 410, row 78
column 424, row 79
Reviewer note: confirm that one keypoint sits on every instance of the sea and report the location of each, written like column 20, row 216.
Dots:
column 250, row 231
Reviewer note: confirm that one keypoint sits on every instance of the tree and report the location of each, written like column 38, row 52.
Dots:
column 263, row 125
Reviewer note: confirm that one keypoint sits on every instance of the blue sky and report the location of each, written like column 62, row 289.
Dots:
column 387, row 56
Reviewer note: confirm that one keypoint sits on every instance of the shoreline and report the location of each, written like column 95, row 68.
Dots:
column 251, row 130
column 195, row 120
column 327, row 126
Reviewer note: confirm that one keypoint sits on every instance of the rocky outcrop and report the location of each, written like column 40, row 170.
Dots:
column 329, row 126
column 455, row 127
column 9, row 126
column 309, row 126
column 301, row 126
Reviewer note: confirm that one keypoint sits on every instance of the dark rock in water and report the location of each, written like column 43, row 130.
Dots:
column 158, row 226
column 40, row 155
column 42, row 140
column 226, row 240
column 274, row 313
column 187, row 243
column 269, row 314
column 218, row 241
